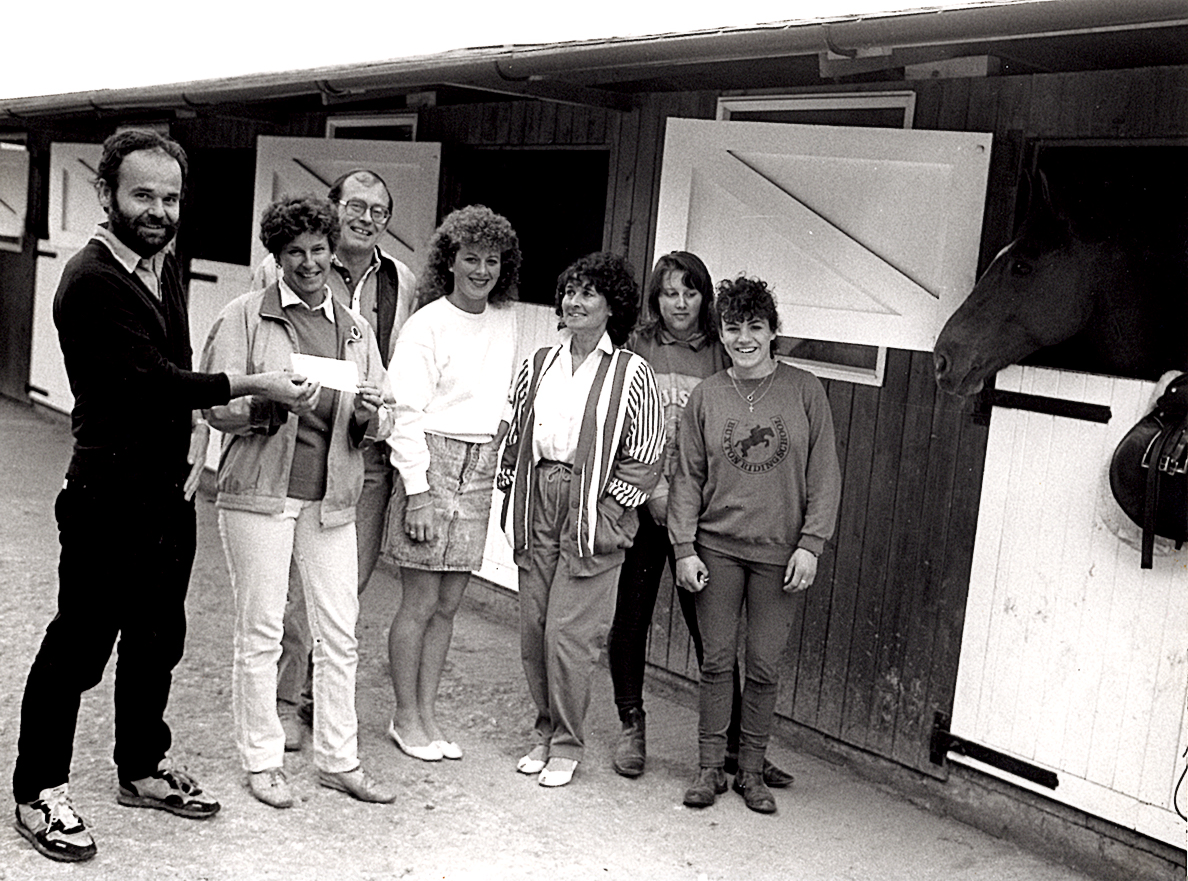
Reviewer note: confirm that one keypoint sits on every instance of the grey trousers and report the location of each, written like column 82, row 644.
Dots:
column 563, row 622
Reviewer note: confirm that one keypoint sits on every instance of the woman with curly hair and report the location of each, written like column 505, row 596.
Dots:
column 754, row 500
column 452, row 366
column 582, row 454
column 288, row 483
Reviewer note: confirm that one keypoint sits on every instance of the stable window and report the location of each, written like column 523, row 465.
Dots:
column 392, row 127
column 834, row 360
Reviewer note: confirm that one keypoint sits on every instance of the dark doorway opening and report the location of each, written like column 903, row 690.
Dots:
column 1136, row 193
column 555, row 199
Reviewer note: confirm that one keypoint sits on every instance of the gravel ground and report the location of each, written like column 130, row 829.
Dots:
column 474, row 819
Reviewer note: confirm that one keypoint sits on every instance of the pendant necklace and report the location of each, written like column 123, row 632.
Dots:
column 754, row 397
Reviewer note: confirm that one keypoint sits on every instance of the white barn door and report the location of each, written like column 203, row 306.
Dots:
column 291, row 166
column 73, row 213
column 1073, row 658
column 867, row 235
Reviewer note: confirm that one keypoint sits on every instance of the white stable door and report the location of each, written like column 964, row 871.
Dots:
column 73, row 213
column 1073, row 658
column 866, row 235
column 291, row 166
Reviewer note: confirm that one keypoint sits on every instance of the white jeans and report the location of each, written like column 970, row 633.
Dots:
column 258, row 548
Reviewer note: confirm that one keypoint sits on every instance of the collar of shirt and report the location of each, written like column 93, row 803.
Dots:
column 566, row 335
column 355, row 285
column 289, row 298
column 695, row 341
column 147, row 269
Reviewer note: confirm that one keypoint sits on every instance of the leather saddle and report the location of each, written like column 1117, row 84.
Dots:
column 1149, row 470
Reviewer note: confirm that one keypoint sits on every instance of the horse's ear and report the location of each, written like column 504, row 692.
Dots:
column 1046, row 215
column 1036, row 194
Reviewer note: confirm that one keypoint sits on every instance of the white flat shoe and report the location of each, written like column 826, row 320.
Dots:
column 534, row 762
column 448, row 749
column 558, row 771
column 427, row 753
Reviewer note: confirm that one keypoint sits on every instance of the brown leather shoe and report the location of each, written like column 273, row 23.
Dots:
column 707, row 786
column 773, row 775
column 271, row 786
column 631, row 750
column 750, row 785
column 359, row 784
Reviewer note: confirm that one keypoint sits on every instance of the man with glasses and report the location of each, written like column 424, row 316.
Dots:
column 379, row 287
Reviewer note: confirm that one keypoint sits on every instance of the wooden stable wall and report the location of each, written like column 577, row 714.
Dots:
column 875, row 655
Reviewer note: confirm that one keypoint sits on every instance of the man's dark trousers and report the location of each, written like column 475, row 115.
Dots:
column 124, row 569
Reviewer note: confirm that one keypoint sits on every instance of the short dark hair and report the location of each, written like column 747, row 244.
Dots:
column 695, row 276
column 119, row 145
column 742, row 299
column 472, row 225
column 287, row 218
column 366, row 176
column 613, row 277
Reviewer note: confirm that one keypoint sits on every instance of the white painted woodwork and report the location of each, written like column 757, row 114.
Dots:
column 537, row 327
column 1073, row 658
column 207, row 299
column 292, row 166
column 73, row 214
column 14, row 195
column 866, row 235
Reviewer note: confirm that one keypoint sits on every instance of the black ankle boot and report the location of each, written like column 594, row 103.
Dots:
column 631, row 750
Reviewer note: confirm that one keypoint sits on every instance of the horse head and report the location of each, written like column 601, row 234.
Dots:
column 1041, row 290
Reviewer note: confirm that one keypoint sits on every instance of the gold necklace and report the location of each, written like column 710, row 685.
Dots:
column 754, row 397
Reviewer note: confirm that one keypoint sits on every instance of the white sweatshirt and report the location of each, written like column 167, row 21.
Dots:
column 451, row 373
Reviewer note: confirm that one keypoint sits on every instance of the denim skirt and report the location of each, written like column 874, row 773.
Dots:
column 461, row 481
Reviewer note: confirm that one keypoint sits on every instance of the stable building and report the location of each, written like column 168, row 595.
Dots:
column 979, row 635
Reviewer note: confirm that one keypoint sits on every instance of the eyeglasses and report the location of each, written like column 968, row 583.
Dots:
column 357, row 208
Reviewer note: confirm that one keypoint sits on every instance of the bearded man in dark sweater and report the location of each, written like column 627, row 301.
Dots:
column 125, row 515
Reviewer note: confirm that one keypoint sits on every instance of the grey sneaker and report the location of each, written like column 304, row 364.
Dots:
column 54, row 827
column 168, row 789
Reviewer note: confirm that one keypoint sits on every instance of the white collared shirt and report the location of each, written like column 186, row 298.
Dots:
column 147, row 269
column 288, row 297
column 561, row 401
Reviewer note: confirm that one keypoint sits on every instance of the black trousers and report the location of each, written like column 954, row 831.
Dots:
column 124, row 570
column 627, row 642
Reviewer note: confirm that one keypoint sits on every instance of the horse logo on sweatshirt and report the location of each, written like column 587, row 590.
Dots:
column 755, row 446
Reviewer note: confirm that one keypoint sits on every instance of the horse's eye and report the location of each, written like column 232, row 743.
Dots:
column 1020, row 267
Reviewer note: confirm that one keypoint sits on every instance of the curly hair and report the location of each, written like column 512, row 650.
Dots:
column 613, row 277
column 743, row 299
column 695, row 276
column 287, row 218
column 475, row 225
column 119, row 145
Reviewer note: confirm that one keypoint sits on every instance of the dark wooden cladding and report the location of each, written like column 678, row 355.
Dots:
column 874, row 654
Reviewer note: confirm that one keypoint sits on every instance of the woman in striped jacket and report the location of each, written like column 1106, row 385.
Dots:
column 582, row 454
